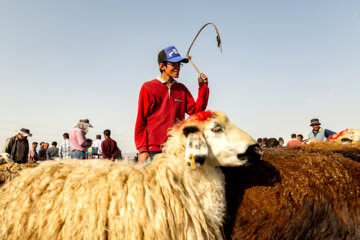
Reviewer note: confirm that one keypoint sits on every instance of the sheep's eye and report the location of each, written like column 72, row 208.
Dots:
column 217, row 129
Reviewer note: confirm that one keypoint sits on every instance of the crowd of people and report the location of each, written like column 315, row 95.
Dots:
column 75, row 145
column 316, row 134
column 163, row 102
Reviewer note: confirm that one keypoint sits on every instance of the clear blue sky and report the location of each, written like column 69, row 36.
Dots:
column 283, row 63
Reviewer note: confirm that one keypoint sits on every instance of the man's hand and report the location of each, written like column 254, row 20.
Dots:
column 202, row 78
column 143, row 156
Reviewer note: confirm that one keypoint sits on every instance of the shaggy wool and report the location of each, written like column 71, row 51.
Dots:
column 10, row 170
column 304, row 192
column 103, row 200
column 98, row 199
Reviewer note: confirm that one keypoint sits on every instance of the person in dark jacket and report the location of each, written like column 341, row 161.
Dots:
column 42, row 152
column 18, row 146
column 52, row 152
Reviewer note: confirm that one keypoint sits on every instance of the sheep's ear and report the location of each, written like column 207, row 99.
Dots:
column 196, row 150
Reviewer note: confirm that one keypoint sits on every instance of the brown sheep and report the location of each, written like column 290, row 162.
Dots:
column 305, row 192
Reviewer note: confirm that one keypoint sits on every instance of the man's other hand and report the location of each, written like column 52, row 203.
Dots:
column 143, row 156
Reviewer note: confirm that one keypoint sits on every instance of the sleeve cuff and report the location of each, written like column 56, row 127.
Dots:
column 203, row 85
column 142, row 149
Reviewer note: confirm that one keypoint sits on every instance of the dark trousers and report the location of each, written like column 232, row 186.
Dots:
column 153, row 153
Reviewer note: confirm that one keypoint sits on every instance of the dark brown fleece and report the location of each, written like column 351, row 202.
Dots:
column 306, row 192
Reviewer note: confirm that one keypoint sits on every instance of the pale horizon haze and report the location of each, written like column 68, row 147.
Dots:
column 283, row 63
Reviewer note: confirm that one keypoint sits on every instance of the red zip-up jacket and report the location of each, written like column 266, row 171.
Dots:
column 160, row 106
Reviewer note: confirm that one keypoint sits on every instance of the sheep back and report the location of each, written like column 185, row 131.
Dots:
column 307, row 192
column 97, row 199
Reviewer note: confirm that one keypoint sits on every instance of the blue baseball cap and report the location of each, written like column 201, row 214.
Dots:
column 171, row 54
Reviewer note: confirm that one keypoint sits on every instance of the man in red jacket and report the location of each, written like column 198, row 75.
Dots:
column 164, row 101
column 109, row 147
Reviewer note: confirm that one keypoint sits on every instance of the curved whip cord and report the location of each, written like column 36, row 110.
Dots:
column 217, row 39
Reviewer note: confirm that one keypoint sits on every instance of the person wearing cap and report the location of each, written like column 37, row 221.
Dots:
column 163, row 102
column 18, row 146
column 318, row 133
column 78, row 142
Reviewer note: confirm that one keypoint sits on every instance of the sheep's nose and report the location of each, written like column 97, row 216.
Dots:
column 253, row 154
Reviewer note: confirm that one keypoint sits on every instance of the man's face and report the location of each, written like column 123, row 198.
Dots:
column 46, row 145
column 299, row 138
column 316, row 127
column 34, row 145
column 21, row 137
column 171, row 69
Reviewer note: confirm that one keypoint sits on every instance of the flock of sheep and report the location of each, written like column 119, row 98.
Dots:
column 212, row 182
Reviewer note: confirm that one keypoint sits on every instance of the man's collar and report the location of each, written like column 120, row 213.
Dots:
column 163, row 81
column 317, row 130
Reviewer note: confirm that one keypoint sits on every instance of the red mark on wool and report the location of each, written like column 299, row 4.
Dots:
column 337, row 135
column 198, row 117
column 201, row 116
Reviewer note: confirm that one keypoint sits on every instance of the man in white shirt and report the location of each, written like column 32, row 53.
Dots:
column 64, row 151
column 97, row 144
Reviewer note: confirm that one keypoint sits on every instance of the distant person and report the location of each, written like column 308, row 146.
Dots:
column 52, row 152
column 64, row 150
column 163, row 102
column 293, row 142
column 78, row 142
column 109, row 147
column 319, row 134
column 272, row 143
column 42, row 152
column 281, row 142
column 260, row 142
column 33, row 156
column 46, row 146
column 265, row 143
column 18, row 146
column 97, row 144
column 300, row 138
